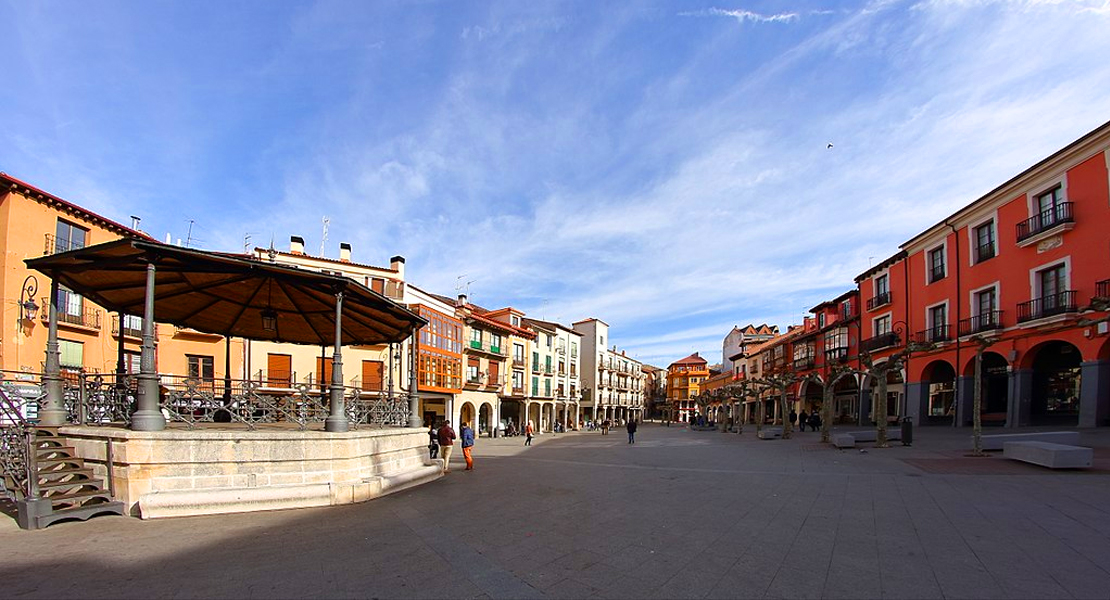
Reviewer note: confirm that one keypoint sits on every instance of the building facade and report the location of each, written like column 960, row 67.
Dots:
column 684, row 379
column 612, row 382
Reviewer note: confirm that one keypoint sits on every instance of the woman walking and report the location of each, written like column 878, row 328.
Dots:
column 528, row 430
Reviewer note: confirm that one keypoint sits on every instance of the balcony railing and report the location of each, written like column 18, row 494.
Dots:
column 537, row 368
column 476, row 344
column 883, row 340
column 936, row 273
column 1047, row 306
column 518, row 362
column 129, row 329
column 984, row 252
column 1039, row 223
column 938, row 333
column 1102, row 289
column 987, row 321
column 518, row 390
column 879, row 300
column 55, row 245
column 84, row 317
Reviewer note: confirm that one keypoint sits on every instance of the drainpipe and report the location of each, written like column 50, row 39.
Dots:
column 959, row 295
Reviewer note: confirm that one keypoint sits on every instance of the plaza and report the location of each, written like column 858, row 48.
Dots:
column 680, row 514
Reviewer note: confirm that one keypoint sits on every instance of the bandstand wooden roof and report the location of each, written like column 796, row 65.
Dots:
column 227, row 294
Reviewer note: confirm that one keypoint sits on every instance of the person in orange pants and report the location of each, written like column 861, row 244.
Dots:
column 467, row 435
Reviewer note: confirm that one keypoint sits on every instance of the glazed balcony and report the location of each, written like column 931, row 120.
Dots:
column 836, row 355
column 988, row 321
column 1060, row 217
column 804, row 363
column 1047, row 306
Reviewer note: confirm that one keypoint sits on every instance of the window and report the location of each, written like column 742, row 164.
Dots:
column 68, row 236
column 535, row 361
column 882, row 325
column 1052, row 281
column 936, row 264
column 546, row 387
column 984, row 242
column 279, row 369
column 518, row 382
column 201, row 367
column 373, row 375
column 494, row 374
column 72, row 354
column 882, row 285
column 473, row 365
column 132, row 326
column 986, row 307
column 574, row 348
column 475, row 338
column 132, row 362
column 495, row 342
column 548, row 336
column 515, row 320
column 1050, row 207
column 323, row 370
column 518, row 353
column 821, row 319
column 938, row 323
column 535, row 386
column 70, row 305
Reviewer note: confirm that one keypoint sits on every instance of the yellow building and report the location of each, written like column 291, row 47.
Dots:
column 684, row 380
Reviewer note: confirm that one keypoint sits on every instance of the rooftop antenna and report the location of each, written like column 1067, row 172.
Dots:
column 869, row 259
column 324, row 238
column 459, row 285
column 247, row 241
column 189, row 235
column 272, row 253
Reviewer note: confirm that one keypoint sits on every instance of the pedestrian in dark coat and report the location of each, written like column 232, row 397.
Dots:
column 803, row 420
column 631, row 431
column 793, row 418
column 814, row 421
column 433, row 441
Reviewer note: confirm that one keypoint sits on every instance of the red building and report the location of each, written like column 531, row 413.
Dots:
column 1023, row 272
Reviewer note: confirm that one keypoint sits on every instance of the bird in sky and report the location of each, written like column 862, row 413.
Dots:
column 829, row 146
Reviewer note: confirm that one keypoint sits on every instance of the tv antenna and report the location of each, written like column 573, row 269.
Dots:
column 247, row 241
column 324, row 238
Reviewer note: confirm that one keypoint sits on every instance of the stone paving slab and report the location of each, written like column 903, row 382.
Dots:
column 680, row 514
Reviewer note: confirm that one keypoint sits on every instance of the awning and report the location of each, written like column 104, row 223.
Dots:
column 227, row 294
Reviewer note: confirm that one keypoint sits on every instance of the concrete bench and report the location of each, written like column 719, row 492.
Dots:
column 996, row 441
column 872, row 435
column 844, row 440
column 770, row 433
column 1047, row 454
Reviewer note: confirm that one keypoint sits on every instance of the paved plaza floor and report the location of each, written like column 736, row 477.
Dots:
column 680, row 514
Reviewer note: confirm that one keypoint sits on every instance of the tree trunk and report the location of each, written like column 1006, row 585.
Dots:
column 879, row 404
column 826, row 411
column 787, row 429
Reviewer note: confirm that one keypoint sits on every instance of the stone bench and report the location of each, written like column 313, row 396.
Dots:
column 996, row 441
column 844, row 440
column 1048, row 454
column 770, row 433
column 871, row 435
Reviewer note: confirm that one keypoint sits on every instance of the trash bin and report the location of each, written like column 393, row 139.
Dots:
column 907, row 431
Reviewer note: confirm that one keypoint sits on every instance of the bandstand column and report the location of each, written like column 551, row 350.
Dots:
column 53, row 410
column 415, row 419
column 147, row 415
column 337, row 415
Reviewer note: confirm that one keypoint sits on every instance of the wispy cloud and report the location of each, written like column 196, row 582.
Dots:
column 741, row 16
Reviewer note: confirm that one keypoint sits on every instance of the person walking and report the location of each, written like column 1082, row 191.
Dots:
column 793, row 418
column 803, row 420
column 433, row 441
column 446, row 443
column 467, row 436
column 528, row 430
column 631, row 431
column 814, row 420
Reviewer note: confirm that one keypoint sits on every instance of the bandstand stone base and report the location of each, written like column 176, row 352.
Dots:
column 181, row 472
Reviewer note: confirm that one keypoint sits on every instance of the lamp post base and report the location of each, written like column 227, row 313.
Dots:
column 337, row 425
column 148, row 420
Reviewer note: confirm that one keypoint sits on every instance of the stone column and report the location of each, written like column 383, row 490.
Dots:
column 1021, row 398
column 148, row 416
column 52, row 413
column 1094, row 393
column 917, row 401
column 337, row 414
column 965, row 396
column 864, row 407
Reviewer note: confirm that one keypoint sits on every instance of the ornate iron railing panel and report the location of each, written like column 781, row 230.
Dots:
column 16, row 440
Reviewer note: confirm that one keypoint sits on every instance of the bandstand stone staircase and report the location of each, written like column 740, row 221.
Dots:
column 44, row 477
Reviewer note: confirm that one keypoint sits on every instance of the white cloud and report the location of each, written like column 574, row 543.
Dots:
column 742, row 16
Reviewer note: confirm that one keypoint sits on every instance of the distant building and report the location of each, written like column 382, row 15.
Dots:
column 740, row 339
column 684, row 379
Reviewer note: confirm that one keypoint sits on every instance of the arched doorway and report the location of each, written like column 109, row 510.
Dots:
column 812, row 396
column 941, row 407
column 466, row 415
column 485, row 416
column 1056, row 378
column 995, row 388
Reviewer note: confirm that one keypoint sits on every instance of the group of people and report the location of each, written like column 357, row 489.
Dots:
column 813, row 420
column 441, row 440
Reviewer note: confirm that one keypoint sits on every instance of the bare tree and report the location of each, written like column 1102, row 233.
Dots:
column 879, row 373
column 981, row 344
column 780, row 382
column 837, row 373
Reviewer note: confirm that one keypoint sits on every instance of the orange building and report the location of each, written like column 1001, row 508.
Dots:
column 684, row 379
column 36, row 223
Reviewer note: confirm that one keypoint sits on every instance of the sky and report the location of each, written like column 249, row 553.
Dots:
column 662, row 166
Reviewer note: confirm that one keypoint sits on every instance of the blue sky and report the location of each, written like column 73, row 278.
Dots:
column 662, row 166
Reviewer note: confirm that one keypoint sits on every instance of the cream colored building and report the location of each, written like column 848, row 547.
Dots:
column 612, row 382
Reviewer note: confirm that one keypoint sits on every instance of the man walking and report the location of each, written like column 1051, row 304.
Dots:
column 446, row 443
column 528, row 431
column 631, row 431
column 467, row 435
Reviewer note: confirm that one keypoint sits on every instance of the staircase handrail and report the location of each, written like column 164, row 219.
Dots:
column 16, row 446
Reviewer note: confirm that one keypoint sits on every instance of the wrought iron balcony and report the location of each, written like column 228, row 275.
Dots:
column 1047, row 306
column 883, row 340
column 83, row 317
column 984, row 252
column 987, row 321
column 1102, row 289
column 939, row 333
column 518, row 362
column 56, row 245
column 1039, row 223
column 879, row 300
column 129, row 328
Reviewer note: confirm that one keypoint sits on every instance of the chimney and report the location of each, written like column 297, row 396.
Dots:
column 296, row 244
column 462, row 300
column 397, row 263
column 345, row 252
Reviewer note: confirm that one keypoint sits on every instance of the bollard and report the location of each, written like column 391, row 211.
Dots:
column 907, row 431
